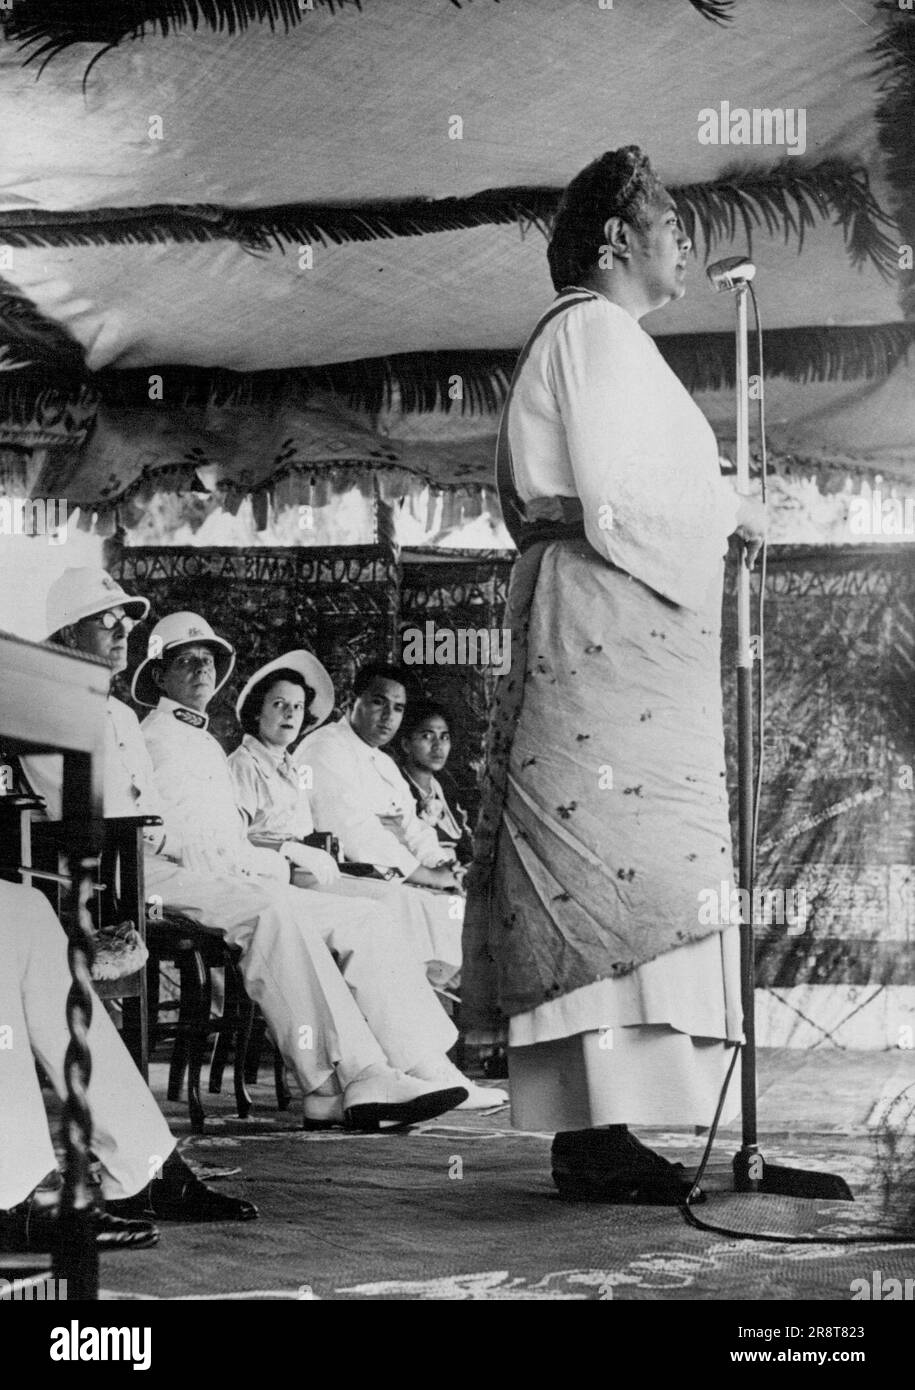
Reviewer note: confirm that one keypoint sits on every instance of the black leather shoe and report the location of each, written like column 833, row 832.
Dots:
column 31, row 1228
column 627, row 1191
column 113, row 1231
column 612, row 1165
column 179, row 1195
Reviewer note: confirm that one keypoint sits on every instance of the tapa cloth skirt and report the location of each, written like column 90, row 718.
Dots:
column 623, row 1000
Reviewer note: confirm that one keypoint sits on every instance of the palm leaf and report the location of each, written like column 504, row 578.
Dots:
column 791, row 199
column 421, row 381
column 28, row 339
column 48, row 27
column 786, row 199
column 895, row 54
column 719, row 11
column 259, row 228
column 705, row 361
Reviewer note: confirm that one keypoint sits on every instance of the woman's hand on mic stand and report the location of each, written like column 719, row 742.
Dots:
column 752, row 525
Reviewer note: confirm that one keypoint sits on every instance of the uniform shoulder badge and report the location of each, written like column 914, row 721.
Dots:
column 189, row 716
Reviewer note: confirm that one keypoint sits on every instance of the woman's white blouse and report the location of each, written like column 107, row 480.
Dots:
column 598, row 414
column 269, row 793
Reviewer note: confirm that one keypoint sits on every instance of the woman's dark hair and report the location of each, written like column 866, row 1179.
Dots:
column 418, row 712
column 251, row 710
column 621, row 183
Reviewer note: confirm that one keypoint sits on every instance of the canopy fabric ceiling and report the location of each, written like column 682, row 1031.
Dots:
column 210, row 305
column 356, row 105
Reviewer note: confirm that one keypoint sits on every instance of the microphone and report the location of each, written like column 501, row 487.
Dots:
column 730, row 273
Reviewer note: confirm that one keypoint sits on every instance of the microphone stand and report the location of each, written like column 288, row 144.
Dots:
column 751, row 1172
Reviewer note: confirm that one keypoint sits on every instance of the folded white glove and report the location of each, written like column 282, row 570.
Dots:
column 315, row 861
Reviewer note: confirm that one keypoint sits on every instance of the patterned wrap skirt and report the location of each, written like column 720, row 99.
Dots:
column 604, row 823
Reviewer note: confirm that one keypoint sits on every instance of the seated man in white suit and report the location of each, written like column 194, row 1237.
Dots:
column 360, row 795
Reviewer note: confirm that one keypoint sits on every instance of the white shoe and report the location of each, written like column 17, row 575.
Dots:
column 384, row 1094
column 483, row 1097
column 323, row 1112
column 478, row 1097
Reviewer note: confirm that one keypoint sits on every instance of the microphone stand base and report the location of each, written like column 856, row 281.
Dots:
column 779, row 1181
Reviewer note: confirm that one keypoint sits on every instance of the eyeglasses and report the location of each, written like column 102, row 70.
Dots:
column 112, row 618
column 190, row 662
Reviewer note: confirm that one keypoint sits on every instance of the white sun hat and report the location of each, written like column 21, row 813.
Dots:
column 307, row 665
column 180, row 630
column 82, row 592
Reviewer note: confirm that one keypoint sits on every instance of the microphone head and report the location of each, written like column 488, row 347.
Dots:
column 730, row 273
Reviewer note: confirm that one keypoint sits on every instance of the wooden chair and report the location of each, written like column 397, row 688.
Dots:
column 249, row 1042
column 196, row 951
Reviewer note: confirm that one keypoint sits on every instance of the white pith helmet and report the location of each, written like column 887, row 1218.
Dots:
column 82, row 592
column 180, row 630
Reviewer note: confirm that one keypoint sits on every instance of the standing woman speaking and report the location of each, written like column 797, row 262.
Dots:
column 605, row 810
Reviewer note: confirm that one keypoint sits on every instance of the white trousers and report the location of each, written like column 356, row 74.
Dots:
column 337, row 980
column 129, row 1134
column 432, row 922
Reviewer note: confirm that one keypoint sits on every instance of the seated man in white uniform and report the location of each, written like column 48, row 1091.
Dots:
column 360, row 795
column 129, row 1135
column 350, row 1055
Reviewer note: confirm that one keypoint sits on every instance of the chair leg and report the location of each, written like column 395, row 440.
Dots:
column 135, row 1027
column 152, row 999
column 283, row 1093
column 224, row 1033
column 197, row 1043
column 188, row 1012
column 247, row 1012
column 255, row 1049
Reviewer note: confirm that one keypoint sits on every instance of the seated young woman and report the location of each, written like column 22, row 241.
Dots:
column 425, row 746
column 280, row 699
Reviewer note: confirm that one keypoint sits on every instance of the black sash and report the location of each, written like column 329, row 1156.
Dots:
column 560, row 517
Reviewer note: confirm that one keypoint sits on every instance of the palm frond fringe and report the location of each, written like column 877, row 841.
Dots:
column 895, row 54
column 48, row 27
column 422, row 382
column 28, row 339
column 787, row 199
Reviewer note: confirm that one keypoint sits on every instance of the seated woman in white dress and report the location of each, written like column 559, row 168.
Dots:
column 272, row 795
